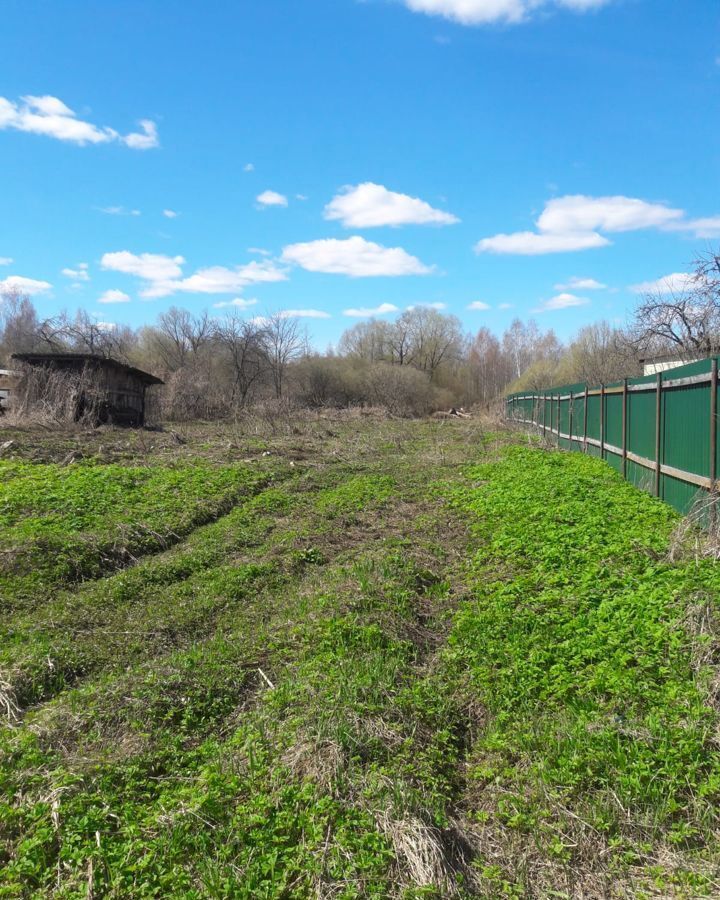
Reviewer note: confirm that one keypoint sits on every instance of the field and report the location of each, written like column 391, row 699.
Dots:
column 346, row 657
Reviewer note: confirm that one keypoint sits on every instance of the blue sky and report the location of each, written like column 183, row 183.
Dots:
column 336, row 157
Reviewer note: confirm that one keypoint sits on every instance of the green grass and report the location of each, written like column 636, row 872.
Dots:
column 64, row 524
column 432, row 664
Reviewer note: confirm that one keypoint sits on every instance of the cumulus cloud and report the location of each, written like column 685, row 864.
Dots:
column 364, row 312
column 113, row 296
column 149, row 266
column 51, row 117
column 439, row 305
column 164, row 275
column 478, row 306
column 371, row 205
column 708, row 227
column 248, row 167
column 24, row 285
column 170, row 214
column 579, row 222
column 145, row 139
column 237, row 303
column 355, row 257
column 581, row 284
column 579, row 214
column 487, row 12
column 271, row 198
column 562, row 301
column 674, row 283
column 304, row 314
column 530, row 243
column 79, row 273
column 5, row 260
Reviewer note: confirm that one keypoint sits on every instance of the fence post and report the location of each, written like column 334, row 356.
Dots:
column 602, row 421
column 624, row 427
column 558, row 420
column 570, row 419
column 585, row 420
column 658, row 430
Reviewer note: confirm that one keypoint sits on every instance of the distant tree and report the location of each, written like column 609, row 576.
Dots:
column 244, row 343
column 598, row 354
column 283, row 341
column 179, row 337
column 683, row 318
column 19, row 325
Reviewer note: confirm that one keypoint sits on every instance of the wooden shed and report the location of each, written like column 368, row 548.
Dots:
column 108, row 390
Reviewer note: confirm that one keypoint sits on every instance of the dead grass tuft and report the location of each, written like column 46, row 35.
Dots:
column 697, row 536
column 426, row 856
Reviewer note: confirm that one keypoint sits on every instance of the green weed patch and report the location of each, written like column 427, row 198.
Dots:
column 64, row 524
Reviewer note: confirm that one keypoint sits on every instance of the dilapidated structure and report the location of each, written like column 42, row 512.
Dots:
column 9, row 381
column 96, row 388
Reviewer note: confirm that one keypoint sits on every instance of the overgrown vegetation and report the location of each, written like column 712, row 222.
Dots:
column 421, row 661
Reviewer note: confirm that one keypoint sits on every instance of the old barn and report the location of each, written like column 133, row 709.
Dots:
column 104, row 389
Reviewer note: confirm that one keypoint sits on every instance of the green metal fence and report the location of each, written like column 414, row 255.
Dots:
column 660, row 431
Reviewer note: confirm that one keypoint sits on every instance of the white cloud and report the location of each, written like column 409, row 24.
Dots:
column 170, row 214
column 478, row 306
column 708, row 227
column 437, row 306
column 248, row 167
column 505, row 306
column 301, row 197
column 486, row 12
column 164, row 274
column 80, row 273
column 146, row 139
column 118, row 211
column 575, row 222
column 106, row 326
column 25, row 285
column 49, row 116
column 218, row 280
column 258, row 251
column 581, row 284
column 562, row 301
column 669, row 284
column 272, row 198
column 355, row 257
column 365, row 312
column 578, row 213
column 371, row 205
column 149, row 266
column 113, row 296
column 237, row 303
column 304, row 314
column 530, row 243
column 5, row 260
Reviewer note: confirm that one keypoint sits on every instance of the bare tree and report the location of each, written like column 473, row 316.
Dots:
column 244, row 342
column 284, row 342
column 179, row 336
column 683, row 318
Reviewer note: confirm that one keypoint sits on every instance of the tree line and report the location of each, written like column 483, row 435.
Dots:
column 423, row 360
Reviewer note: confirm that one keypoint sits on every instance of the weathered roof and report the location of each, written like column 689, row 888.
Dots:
column 102, row 361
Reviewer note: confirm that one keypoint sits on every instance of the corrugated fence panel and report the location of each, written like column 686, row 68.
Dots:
column 685, row 433
column 613, row 428
column 641, row 431
column 578, row 420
